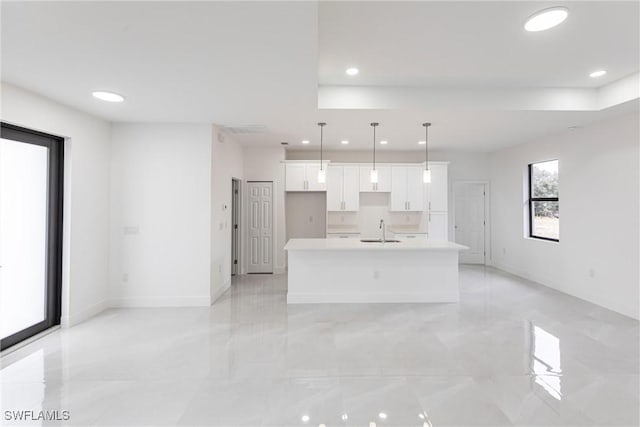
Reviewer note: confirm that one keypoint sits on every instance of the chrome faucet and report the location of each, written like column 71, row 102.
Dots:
column 383, row 227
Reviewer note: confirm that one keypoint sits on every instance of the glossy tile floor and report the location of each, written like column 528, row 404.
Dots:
column 511, row 353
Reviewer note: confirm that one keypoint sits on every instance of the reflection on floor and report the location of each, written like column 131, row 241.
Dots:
column 511, row 353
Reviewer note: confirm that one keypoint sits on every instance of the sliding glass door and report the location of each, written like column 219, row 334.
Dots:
column 30, row 233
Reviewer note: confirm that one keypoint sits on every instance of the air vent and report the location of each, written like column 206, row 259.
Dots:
column 245, row 129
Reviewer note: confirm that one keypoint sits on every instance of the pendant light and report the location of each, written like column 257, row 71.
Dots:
column 374, row 172
column 322, row 174
column 426, row 175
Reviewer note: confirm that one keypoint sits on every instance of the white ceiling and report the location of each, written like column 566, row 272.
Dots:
column 471, row 44
column 250, row 63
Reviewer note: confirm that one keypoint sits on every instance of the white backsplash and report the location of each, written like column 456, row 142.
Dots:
column 373, row 208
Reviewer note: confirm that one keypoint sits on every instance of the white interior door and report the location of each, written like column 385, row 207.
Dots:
column 260, row 201
column 469, row 228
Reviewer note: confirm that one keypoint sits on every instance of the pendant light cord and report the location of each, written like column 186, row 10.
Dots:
column 321, row 124
column 426, row 145
column 374, row 144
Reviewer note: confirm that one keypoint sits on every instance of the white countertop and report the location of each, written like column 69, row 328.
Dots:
column 356, row 244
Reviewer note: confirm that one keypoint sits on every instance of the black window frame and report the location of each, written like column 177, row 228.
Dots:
column 532, row 200
column 53, row 292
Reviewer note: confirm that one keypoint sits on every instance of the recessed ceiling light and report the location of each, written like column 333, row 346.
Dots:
column 598, row 73
column 344, row 142
column 422, row 142
column 546, row 18
column 107, row 96
column 384, row 142
column 352, row 71
column 305, row 141
column 382, row 416
column 305, row 418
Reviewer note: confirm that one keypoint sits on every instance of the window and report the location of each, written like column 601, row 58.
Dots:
column 544, row 204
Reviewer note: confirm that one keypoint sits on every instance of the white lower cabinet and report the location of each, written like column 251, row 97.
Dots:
column 410, row 236
column 343, row 235
column 438, row 226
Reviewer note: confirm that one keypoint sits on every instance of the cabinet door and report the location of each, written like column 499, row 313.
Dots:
column 295, row 177
column 384, row 179
column 312, row 178
column 351, row 188
column 438, row 188
column 365, row 180
column 334, row 188
column 415, row 189
column 398, row 188
column 438, row 229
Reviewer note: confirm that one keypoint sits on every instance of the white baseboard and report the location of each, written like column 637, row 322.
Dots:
column 629, row 310
column 218, row 293
column 357, row 297
column 82, row 315
column 160, row 302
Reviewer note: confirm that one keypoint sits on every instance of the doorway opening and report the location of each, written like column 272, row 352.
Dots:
column 235, row 227
column 31, row 184
column 470, row 220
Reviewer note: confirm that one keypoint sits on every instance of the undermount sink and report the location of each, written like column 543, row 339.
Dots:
column 379, row 241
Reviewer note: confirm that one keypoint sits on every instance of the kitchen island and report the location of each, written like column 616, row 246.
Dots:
column 351, row 271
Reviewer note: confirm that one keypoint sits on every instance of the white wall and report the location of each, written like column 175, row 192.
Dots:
column 599, row 214
column 160, row 215
column 227, row 163
column 86, row 194
column 263, row 164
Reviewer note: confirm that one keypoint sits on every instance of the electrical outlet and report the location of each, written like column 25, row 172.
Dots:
column 125, row 277
column 592, row 273
column 376, row 275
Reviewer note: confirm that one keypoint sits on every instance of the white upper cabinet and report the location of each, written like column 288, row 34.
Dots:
column 296, row 177
column 384, row 179
column 438, row 188
column 407, row 189
column 343, row 188
column 303, row 177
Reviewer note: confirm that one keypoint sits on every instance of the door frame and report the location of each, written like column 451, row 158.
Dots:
column 236, row 226
column 55, row 194
column 247, row 218
column 487, row 215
